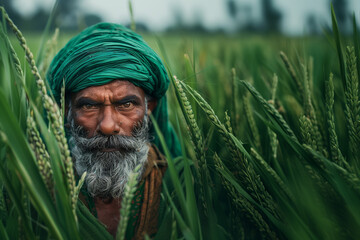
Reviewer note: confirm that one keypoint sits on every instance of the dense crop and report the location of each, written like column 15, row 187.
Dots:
column 269, row 127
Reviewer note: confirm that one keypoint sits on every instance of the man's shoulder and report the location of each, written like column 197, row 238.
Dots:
column 155, row 160
column 155, row 156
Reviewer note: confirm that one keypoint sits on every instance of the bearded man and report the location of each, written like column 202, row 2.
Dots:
column 113, row 80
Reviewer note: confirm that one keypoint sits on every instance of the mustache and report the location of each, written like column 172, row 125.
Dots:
column 99, row 142
column 121, row 142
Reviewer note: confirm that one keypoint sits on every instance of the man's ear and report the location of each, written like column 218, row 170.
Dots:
column 151, row 104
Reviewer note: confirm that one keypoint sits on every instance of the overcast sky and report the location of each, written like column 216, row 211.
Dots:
column 158, row 14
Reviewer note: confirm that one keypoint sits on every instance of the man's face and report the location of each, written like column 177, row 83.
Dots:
column 110, row 109
column 109, row 135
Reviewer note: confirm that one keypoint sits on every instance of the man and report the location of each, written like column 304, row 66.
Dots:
column 113, row 81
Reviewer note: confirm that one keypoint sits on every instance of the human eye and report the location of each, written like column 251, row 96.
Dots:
column 125, row 106
column 89, row 106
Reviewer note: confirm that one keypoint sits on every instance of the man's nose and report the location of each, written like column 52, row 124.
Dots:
column 109, row 122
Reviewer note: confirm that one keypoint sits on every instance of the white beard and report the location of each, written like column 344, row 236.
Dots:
column 108, row 172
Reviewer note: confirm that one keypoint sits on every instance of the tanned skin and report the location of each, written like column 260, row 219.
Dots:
column 110, row 109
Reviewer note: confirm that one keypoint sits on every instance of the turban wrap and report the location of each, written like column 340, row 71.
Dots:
column 105, row 52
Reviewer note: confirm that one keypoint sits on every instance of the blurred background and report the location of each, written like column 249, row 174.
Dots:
column 289, row 17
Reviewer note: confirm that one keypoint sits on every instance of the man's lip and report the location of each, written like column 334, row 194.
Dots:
column 109, row 150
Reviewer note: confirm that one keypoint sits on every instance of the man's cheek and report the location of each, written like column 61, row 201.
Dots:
column 88, row 124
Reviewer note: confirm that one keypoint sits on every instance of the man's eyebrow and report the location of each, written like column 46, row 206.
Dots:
column 130, row 98
column 85, row 100
column 89, row 101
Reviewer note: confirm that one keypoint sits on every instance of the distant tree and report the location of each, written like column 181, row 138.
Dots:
column 242, row 16
column 91, row 19
column 37, row 22
column 271, row 16
column 312, row 24
column 232, row 8
column 179, row 24
column 66, row 14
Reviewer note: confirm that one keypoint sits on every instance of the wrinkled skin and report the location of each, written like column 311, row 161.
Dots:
column 110, row 109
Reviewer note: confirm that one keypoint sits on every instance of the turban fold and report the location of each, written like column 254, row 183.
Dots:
column 105, row 52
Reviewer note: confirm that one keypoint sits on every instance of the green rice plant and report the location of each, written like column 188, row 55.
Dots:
column 41, row 154
column 352, row 107
column 188, row 217
column 235, row 111
column 196, row 138
column 42, row 197
column 246, row 171
column 130, row 189
column 272, row 136
column 293, row 75
column 251, row 121
column 313, row 126
column 53, row 112
column 243, row 204
column 335, row 151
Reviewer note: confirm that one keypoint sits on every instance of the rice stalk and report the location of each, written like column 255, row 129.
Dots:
column 333, row 169
column 313, row 128
column 272, row 135
column 307, row 134
column 274, row 176
column 292, row 73
column 270, row 109
column 235, row 113
column 79, row 186
column 52, row 110
column 352, row 106
column 130, row 189
column 252, row 124
column 335, row 151
column 41, row 154
column 250, row 179
column 189, row 115
column 16, row 61
column 196, row 138
column 244, row 205
column 310, row 70
column 228, row 123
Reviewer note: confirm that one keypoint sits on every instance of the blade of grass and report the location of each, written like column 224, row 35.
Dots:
column 25, row 164
column 338, row 45
column 177, row 186
column 356, row 45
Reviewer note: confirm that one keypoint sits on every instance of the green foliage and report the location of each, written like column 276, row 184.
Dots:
column 295, row 176
column 270, row 144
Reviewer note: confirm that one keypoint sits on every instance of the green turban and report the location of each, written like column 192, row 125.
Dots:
column 105, row 52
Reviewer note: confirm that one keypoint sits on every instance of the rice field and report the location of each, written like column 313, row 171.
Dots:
column 269, row 127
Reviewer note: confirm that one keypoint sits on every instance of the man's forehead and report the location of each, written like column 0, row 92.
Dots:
column 117, row 88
